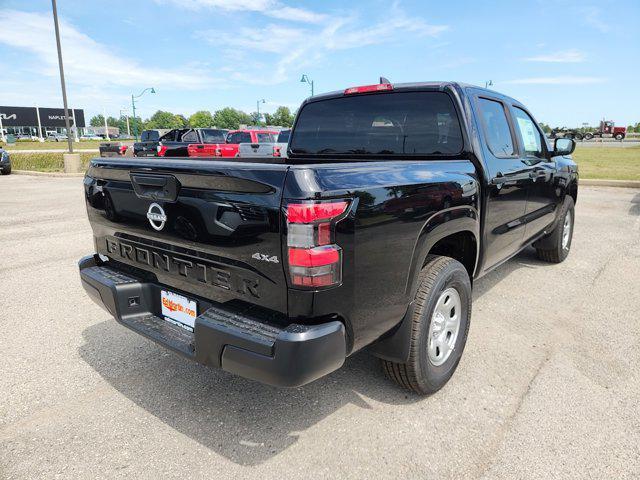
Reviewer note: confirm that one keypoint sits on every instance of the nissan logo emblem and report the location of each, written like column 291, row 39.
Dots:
column 157, row 217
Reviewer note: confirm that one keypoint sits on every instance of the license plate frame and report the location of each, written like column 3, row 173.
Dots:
column 178, row 309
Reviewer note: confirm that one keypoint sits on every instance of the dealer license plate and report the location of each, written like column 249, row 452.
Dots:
column 178, row 309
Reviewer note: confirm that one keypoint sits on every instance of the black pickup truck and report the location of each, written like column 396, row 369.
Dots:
column 393, row 200
column 174, row 143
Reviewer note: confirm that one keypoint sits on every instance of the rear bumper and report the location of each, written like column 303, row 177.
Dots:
column 237, row 342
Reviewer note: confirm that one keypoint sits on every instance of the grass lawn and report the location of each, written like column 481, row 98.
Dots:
column 611, row 163
column 51, row 145
column 615, row 163
column 44, row 162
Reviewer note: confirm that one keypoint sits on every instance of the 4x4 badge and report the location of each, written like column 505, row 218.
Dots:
column 157, row 217
column 265, row 258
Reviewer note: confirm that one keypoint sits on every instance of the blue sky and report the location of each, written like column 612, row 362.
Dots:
column 569, row 61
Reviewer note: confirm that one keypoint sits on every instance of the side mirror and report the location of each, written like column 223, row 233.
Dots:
column 563, row 146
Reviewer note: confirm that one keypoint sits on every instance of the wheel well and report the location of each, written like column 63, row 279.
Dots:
column 460, row 246
column 573, row 191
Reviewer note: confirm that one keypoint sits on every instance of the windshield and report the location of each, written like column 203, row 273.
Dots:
column 283, row 136
column 211, row 135
column 265, row 138
column 399, row 123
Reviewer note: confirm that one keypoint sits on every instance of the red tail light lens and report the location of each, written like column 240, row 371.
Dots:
column 123, row 149
column 161, row 150
column 314, row 261
column 277, row 152
column 311, row 212
column 379, row 87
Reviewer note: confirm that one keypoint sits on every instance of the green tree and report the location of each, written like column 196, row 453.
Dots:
column 268, row 119
column 201, row 119
column 545, row 128
column 162, row 119
column 282, row 117
column 231, row 118
column 97, row 121
column 181, row 120
column 255, row 118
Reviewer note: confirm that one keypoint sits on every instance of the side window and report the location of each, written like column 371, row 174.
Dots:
column 233, row 138
column 191, row 136
column 245, row 137
column 169, row 136
column 529, row 133
column 497, row 131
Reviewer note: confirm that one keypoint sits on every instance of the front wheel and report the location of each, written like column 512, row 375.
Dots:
column 554, row 248
column 439, row 327
column 5, row 170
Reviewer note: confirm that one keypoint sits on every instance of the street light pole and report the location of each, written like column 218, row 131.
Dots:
column 64, row 88
column 133, row 108
column 305, row 79
column 258, row 107
column 126, row 116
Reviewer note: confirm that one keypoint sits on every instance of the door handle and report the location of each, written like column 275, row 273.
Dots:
column 155, row 186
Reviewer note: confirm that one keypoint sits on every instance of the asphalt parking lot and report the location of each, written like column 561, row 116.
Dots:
column 548, row 387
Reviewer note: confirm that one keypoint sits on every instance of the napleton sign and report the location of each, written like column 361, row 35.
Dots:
column 49, row 117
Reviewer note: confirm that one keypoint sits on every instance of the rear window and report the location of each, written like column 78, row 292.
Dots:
column 265, row 137
column 210, row 135
column 283, row 136
column 149, row 136
column 399, row 123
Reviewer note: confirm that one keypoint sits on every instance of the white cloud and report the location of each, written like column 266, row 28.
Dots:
column 562, row 80
column 305, row 46
column 270, row 8
column 563, row 56
column 593, row 17
column 87, row 63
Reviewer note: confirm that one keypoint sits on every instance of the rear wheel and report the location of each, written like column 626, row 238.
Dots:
column 619, row 136
column 440, row 324
column 6, row 170
column 555, row 247
column 588, row 136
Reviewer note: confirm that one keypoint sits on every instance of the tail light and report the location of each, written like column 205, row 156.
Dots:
column 161, row 150
column 314, row 260
column 378, row 87
column 123, row 149
column 276, row 151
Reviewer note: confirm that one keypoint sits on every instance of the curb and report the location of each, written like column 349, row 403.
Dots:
column 48, row 174
column 596, row 182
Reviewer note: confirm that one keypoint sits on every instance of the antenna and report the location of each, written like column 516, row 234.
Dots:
column 384, row 80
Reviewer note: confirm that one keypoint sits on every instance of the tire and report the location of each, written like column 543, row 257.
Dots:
column 425, row 373
column 619, row 136
column 554, row 248
column 6, row 170
column 578, row 136
column 588, row 136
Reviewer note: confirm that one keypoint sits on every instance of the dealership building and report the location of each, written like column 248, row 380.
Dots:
column 40, row 121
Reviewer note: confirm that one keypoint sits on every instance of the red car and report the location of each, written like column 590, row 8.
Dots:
column 230, row 147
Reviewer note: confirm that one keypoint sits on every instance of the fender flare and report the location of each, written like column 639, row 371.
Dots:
column 395, row 346
column 438, row 226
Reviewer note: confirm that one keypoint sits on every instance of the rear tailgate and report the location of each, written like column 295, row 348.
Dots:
column 209, row 229
column 248, row 150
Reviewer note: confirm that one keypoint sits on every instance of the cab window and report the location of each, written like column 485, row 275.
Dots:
column 529, row 134
column 496, row 126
